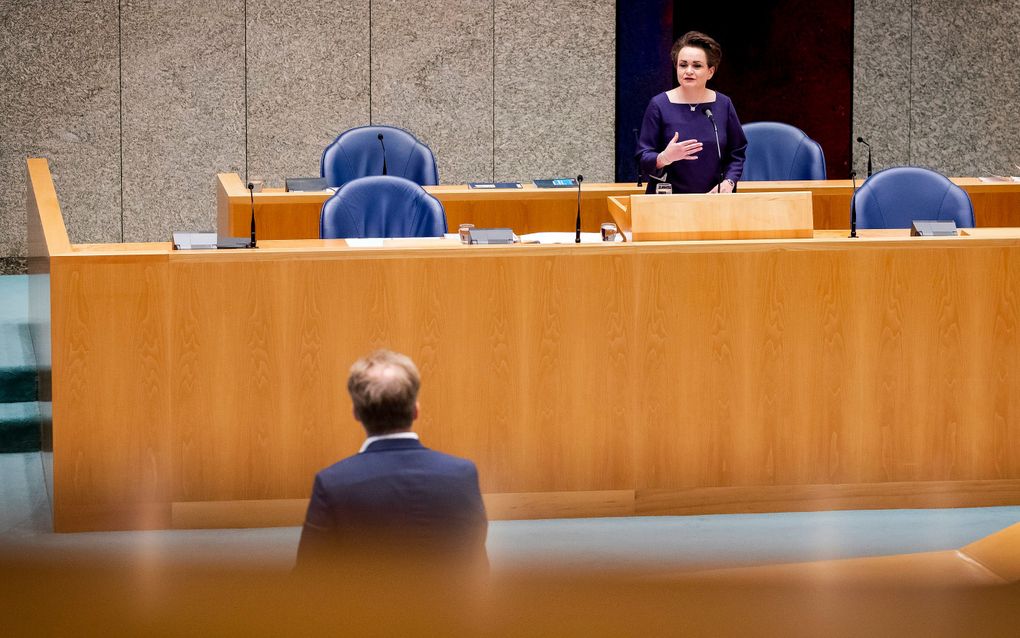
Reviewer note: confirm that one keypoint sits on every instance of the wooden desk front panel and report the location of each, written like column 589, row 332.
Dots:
column 654, row 369
column 113, row 429
column 598, row 371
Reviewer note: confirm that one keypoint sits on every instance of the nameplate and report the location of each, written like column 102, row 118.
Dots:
column 305, row 184
column 559, row 182
column 932, row 228
column 492, row 236
column 495, row 185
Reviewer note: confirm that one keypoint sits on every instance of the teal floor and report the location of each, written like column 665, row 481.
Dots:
column 14, row 299
column 661, row 543
column 19, row 410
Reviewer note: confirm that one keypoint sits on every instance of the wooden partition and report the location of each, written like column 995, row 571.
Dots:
column 206, row 388
column 733, row 216
column 285, row 215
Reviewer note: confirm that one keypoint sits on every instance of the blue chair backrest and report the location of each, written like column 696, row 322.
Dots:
column 895, row 197
column 358, row 153
column 777, row 151
column 381, row 206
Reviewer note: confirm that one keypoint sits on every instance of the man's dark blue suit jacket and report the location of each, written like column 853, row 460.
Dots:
column 398, row 494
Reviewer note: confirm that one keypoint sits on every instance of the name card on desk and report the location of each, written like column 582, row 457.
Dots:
column 932, row 228
column 559, row 182
column 494, row 185
column 305, row 184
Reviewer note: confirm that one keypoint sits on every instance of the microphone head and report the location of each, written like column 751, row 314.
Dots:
column 708, row 112
column 861, row 140
column 580, row 178
column 251, row 186
column 380, row 136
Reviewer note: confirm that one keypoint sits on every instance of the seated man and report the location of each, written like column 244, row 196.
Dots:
column 395, row 498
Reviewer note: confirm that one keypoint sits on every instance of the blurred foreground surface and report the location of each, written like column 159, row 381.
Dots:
column 66, row 593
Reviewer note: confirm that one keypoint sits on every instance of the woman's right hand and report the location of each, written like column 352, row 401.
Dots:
column 676, row 150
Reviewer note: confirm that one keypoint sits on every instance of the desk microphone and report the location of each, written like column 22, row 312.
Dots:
column 718, row 149
column 383, row 144
column 860, row 140
column 251, row 194
column 577, row 233
column 853, row 206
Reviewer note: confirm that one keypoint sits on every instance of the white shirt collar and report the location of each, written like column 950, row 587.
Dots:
column 382, row 437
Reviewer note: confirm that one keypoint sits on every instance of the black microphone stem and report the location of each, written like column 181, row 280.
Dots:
column 861, row 141
column 718, row 150
column 853, row 206
column 577, row 233
column 251, row 194
column 383, row 144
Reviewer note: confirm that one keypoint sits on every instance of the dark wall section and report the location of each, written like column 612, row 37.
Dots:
column 644, row 33
column 786, row 60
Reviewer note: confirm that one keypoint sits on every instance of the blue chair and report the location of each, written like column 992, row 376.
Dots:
column 381, row 206
column 777, row 151
column 895, row 197
column 358, row 153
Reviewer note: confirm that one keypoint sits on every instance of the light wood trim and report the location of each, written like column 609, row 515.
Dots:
column 47, row 235
column 619, row 208
column 733, row 216
column 46, row 239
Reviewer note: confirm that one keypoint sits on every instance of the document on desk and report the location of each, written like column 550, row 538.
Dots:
column 561, row 238
column 397, row 242
column 365, row 242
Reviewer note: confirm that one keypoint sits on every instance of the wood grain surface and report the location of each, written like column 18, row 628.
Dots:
column 735, row 216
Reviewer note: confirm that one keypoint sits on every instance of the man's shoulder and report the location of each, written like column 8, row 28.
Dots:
column 449, row 459
column 375, row 458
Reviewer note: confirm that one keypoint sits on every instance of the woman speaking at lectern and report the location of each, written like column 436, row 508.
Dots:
column 677, row 144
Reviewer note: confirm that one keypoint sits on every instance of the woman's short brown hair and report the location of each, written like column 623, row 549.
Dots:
column 384, row 388
column 697, row 39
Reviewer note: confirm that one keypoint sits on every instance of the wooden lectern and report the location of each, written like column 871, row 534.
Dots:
column 714, row 216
